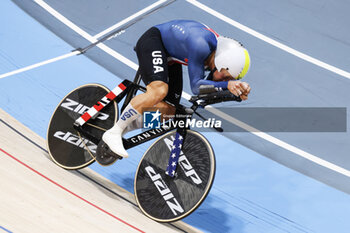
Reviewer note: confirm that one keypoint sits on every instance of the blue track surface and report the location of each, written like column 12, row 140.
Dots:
column 251, row 193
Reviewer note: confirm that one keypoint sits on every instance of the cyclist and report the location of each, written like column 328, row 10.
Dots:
column 161, row 52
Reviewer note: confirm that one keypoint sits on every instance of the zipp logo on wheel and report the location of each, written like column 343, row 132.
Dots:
column 184, row 163
column 163, row 189
column 76, row 140
column 81, row 109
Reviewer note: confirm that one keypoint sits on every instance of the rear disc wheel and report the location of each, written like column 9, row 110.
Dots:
column 66, row 146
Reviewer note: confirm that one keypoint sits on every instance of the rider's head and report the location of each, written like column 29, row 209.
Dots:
column 230, row 55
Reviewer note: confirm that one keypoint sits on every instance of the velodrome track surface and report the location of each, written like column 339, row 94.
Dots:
column 250, row 193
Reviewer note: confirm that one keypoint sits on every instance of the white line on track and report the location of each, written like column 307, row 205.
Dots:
column 269, row 40
column 40, row 64
column 279, row 142
column 84, row 34
column 66, row 21
column 233, row 120
column 128, row 19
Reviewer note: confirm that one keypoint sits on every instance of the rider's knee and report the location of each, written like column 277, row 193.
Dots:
column 157, row 90
column 162, row 92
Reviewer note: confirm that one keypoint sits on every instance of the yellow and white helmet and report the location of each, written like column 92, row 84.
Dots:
column 232, row 56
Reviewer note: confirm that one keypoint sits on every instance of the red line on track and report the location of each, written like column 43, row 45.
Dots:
column 67, row 190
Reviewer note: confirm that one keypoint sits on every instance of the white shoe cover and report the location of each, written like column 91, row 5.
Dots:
column 113, row 138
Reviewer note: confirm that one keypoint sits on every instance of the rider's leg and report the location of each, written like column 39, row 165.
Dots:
column 174, row 92
column 173, row 96
column 166, row 109
column 156, row 91
column 154, row 72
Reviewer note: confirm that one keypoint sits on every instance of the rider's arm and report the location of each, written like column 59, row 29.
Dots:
column 196, row 73
column 200, row 51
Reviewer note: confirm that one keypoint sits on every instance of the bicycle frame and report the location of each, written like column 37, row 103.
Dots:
column 128, row 89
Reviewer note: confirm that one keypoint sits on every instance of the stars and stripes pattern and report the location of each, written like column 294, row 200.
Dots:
column 174, row 155
column 94, row 110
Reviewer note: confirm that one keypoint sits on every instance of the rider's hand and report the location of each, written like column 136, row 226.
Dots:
column 239, row 88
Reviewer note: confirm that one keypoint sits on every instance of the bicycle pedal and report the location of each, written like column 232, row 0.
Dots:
column 104, row 155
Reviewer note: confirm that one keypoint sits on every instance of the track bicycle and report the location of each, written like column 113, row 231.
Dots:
column 174, row 175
